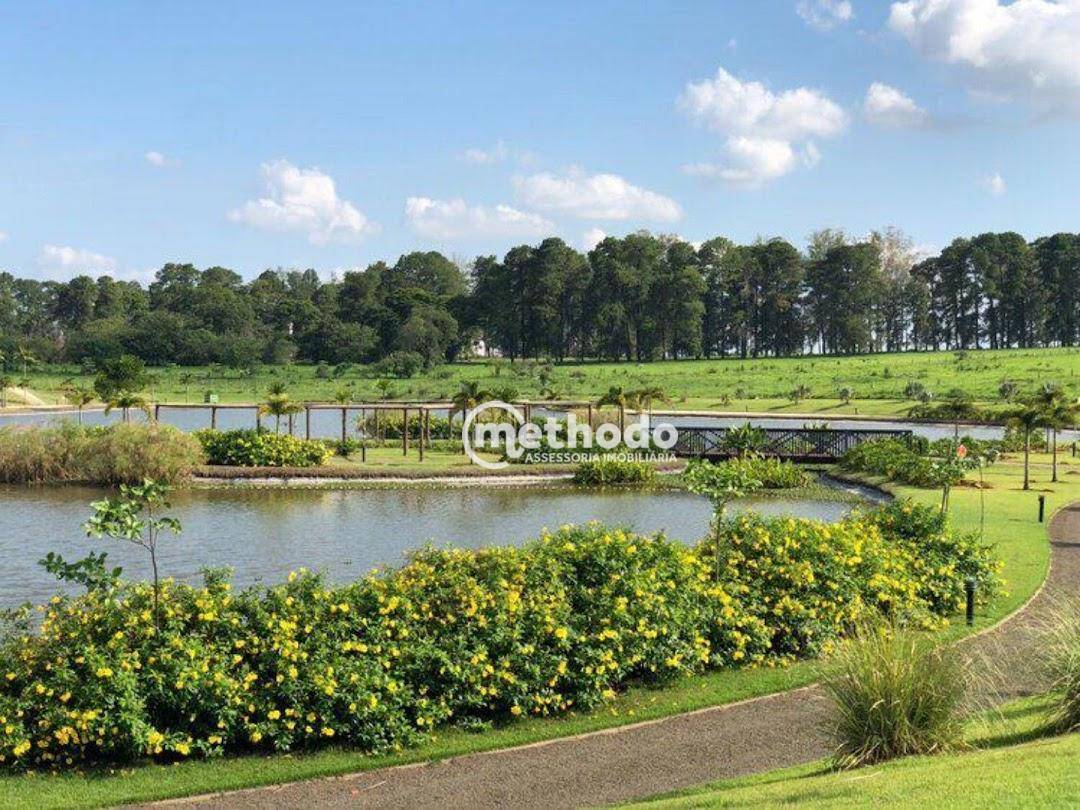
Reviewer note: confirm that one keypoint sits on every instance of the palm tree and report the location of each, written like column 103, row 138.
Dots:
column 1047, row 396
column 185, row 380
column 1027, row 418
column 1058, row 416
column 26, row 358
column 80, row 398
column 467, row 397
column 343, row 396
column 5, row 384
column 125, row 401
column 646, row 396
column 277, row 406
column 620, row 398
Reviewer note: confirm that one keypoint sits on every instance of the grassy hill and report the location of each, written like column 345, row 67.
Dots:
column 878, row 381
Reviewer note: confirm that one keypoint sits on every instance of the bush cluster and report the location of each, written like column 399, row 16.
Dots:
column 773, row 473
column 892, row 459
column 261, row 448
column 117, row 454
column 600, row 471
column 453, row 636
column 811, row 581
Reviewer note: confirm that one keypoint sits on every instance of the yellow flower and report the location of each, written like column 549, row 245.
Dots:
column 104, row 672
column 273, row 714
column 327, row 731
column 515, row 710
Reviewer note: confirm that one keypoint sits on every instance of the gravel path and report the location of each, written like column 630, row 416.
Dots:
column 649, row 758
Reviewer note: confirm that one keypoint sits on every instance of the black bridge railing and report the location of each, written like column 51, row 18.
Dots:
column 798, row 444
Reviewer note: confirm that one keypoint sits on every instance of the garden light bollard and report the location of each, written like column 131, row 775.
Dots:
column 1042, row 507
column 969, row 592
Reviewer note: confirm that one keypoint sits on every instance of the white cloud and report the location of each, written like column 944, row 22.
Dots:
column 64, row 262
column 454, row 219
column 762, row 128
column 499, row 153
column 888, row 107
column 158, row 159
column 1026, row 49
column 994, row 184
column 824, row 14
column 592, row 237
column 304, row 201
column 595, row 196
column 730, row 106
column 3, row 237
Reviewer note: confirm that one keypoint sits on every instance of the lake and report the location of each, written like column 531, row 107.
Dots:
column 263, row 533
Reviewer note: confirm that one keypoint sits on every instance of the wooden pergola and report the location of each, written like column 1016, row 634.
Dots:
column 421, row 408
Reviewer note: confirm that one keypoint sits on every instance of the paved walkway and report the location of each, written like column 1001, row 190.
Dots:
column 663, row 755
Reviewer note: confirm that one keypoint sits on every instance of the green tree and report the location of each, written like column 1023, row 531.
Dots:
column 80, row 398
column 1026, row 419
column 134, row 517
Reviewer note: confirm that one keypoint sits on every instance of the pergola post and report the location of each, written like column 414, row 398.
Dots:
column 213, row 417
column 423, row 414
column 590, row 416
column 157, row 412
column 307, row 421
column 344, row 417
column 258, row 418
column 404, row 431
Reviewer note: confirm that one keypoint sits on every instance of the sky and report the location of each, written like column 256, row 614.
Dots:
column 331, row 135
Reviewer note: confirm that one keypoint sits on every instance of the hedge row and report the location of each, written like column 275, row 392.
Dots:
column 453, row 636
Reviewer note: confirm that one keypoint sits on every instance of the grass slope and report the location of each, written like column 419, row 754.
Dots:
column 729, row 384
column 1010, row 523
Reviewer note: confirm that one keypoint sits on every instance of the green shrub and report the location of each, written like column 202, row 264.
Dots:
column 892, row 459
column 811, row 581
column 940, row 559
column 773, row 473
column 601, row 471
column 117, row 454
column 1060, row 638
column 454, row 635
column 894, row 693
column 390, row 426
column 261, row 448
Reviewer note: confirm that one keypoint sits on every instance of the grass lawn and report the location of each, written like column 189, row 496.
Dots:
column 1010, row 523
column 729, row 384
column 1002, row 771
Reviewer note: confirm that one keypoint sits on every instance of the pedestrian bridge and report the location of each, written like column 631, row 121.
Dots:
column 796, row 444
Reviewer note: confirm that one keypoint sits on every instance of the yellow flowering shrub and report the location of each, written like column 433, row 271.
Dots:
column 452, row 636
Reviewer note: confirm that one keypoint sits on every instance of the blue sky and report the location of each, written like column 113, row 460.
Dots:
column 331, row 135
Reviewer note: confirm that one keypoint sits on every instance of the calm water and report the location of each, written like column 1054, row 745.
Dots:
column 265, row 533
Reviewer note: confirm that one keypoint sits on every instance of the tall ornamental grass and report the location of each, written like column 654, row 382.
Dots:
column 1061, row 655
column 118, row 454
column 894, row 693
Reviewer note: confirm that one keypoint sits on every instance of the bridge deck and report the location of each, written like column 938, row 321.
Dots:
column 796, row 444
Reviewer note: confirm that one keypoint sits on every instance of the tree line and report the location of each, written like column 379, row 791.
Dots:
column 642, row 297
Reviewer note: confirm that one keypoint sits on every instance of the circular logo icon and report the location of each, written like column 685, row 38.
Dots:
column 507, row 432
